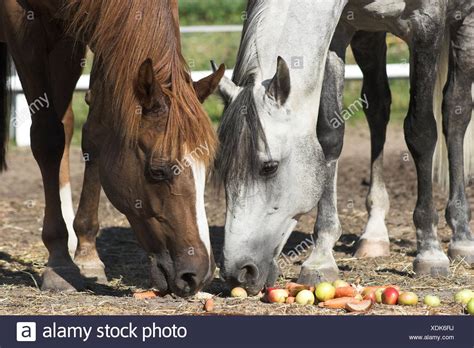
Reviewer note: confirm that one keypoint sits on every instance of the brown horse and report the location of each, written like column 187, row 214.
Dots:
column 147, row 140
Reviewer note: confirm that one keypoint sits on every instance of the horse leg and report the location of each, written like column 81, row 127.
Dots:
column 370, row 52
column 457, row 110
column 65, row 192
column 86, row 223
column 321, row 264
column 421, row 135
column 66, row 68
column 47, row 144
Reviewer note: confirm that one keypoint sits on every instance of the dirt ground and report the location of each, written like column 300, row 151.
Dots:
column 23, row 256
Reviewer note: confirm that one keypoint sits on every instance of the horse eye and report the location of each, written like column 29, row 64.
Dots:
column 160, row 173
column 269, row 168
column 156, row 109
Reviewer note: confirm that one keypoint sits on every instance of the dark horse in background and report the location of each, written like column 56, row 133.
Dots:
column 145, row 115
column 440, row 36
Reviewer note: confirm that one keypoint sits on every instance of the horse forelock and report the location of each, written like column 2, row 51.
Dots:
column 241, row 137
column 247, row 64
column 123, row 35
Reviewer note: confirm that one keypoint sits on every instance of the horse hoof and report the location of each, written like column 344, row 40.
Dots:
column 95, row 273
column 434, row 267
column 64, row 279
column 372, row 248
column 462, row 250
column 314, row 276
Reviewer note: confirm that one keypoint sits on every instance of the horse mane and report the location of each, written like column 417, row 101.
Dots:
column 240, row 135
column 247, row 63
column 240, row 132
column 123, row 34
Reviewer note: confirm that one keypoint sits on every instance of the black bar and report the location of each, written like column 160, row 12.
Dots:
column 214, row 331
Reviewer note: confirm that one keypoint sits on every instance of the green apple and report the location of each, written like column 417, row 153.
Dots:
column 305, row 297
column 463, row 296
column 432, row 301
column 325, row 291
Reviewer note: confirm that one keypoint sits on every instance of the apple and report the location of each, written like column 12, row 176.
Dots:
column 359, row 306
column 432, row 301
column 470, row 306
column 340, row 283
column 370, row 296
column 277, row 296
column 209, row 305
column 238, row 292
column 290, row 300
column 325, row 291
column 390, row 296
column 378, row 295
column 305, row 297
column 464, row 296
column 408, row 298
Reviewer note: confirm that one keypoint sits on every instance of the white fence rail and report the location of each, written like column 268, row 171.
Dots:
column 21, row 110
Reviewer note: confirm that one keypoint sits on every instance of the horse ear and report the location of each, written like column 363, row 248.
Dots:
column 280, row 85
column 146, row 85
column 226, row 88
column 206, row 86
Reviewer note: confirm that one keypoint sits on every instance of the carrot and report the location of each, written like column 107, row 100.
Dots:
column 345, row 291
column 337, row 303
column 145, row 295
column 295, row 288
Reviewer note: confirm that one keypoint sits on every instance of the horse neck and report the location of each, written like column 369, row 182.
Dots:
column 300, row 31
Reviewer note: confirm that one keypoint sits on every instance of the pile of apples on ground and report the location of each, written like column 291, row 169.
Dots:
column 353, row 298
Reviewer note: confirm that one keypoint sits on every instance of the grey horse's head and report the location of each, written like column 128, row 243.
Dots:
column 273, row 169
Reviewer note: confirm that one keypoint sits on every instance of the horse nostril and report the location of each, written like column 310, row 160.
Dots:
column 188, row 282
column 247, row 274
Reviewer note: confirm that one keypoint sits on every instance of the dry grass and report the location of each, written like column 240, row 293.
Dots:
column 22, row 255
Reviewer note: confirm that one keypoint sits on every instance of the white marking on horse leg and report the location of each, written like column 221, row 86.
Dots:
column 68, row 215
column 199, row 173
column 378, row 205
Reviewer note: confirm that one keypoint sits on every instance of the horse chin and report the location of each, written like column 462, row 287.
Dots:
column 159, row 277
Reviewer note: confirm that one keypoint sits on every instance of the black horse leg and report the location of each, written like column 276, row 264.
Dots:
column 421, row 136
column 457, row 110
column 370, row 52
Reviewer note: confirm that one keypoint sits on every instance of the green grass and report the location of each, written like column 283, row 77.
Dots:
column 206, row 12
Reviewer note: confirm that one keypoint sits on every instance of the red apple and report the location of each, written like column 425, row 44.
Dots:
column 371, row 297
column 390, row 296
column 408, row 298
column 277, row 296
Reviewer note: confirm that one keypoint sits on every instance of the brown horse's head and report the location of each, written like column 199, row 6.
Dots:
column 158, row 140
column 158, row 181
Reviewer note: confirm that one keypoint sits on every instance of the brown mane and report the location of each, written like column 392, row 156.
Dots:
column 125, row 33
